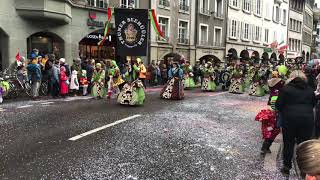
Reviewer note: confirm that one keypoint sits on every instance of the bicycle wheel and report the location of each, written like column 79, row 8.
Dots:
column 44, row 89
column 27, row 89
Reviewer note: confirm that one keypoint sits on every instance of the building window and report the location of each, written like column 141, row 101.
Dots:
column 284, row 17
column 275, row 36
column 128, row 4
column 164, row 3
column 247, row 5
column 276, row 14
column 258, row 7
column 204, row 34
column 184, row 5
column 217, row 36
column 219, row 8
column 98, row 3
column 164, row 26
column 245, row 31
column 235, row 3
column 204, row 7
column 183, row 32
column 266, row 35
column 257, row 33
column 233, row 31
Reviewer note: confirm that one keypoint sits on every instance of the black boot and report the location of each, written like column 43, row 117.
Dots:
column 266, row 146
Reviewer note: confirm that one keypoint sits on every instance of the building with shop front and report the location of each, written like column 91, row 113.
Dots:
column 67, row 28
column 296, row 8
column 316, row 32
column 307, row 30
column 253, row 25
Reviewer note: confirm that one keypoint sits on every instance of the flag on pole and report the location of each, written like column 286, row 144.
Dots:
column 155, row 23
column 282, row 42
column 107, row 29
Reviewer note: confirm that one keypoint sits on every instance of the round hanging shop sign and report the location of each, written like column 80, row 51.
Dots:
column 131, row 33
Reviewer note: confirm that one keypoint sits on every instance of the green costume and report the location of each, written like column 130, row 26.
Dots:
column 98, row 79
column 188, row 77
column 237, row 83
column 208, row 83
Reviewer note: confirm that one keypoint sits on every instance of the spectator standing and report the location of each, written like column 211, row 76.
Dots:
column 34, row 75
column 164, row 72
column 64, row 82
column 54, row 73
column 295, row 103
column 65, row 65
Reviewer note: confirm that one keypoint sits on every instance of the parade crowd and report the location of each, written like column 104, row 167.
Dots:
column 293, row 88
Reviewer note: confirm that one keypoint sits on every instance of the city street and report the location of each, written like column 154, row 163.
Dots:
column 205, row 136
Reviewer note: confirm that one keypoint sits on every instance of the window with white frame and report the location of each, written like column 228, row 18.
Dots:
column 275, row 36
column 217, row 36
column 257, row 33
column 164, row 26
column 183, row 32
column 184, row 5
column 98, row 3
column 204, row 28
column 284, row 17
column 219, row 8
column 204, row 6
column 267, row 11
column 245, row 31
column 233, row 29
column 235, row 3
column 266, row 35
column 276, row 13
column 164, row 3
column 128, row 3
column 247, row 5
column 258, row 7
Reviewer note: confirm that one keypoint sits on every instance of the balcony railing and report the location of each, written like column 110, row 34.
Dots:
column 164, row 3
column 183, row 41
column 184, row 7
column 205, row 11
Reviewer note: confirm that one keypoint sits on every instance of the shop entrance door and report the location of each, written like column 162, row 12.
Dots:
column 46, row 43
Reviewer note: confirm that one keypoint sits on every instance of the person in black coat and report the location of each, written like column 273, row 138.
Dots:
column 295, row 103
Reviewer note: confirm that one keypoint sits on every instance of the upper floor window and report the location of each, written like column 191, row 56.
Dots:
column 266, row 36
column 234, row 29
column 284, row 17
column 219, row 8
column 204, row 34
column 234, row 3
column 164, row 26
column 183, row 32
column 184, row 5
column 204, row 6
column 98, row 3
column 267, row 10
column 257, row 33
column 247, row 5
column 276, row 14
column 245, row 31
column 258, row 7
column 128, row 3
column 164, row 3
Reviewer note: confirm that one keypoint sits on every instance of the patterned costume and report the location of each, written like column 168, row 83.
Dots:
column 237, row 82
column 98, row 79
column 174, row 88
column 132, row 92
column 256, row 88
column 208, row 83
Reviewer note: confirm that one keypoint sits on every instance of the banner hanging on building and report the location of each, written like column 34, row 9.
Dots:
column 132, row 31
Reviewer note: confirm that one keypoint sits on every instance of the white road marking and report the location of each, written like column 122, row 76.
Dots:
column 26, row 106
column 47, row 103
column 2, row 110
column 217, row 94
column 103, row 127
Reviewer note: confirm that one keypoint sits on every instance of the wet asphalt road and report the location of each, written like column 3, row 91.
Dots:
column 206, row 136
